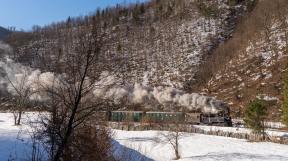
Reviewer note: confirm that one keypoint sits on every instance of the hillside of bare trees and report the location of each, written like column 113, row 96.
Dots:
column 256, row 60
column 161, row 43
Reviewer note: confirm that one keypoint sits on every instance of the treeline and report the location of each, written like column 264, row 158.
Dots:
column 146, row 12
column 138, row 13
column 134, row 14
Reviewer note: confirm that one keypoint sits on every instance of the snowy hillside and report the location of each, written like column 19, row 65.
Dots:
column 163, row 45
column 258, row 61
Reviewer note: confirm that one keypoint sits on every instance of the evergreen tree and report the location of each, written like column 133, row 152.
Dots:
column 254, row 116
column 285, row 101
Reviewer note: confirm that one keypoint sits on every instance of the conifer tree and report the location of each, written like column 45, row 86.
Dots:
column 285, row 101
column 255, row 115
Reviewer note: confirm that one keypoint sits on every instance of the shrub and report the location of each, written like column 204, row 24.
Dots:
column 255, row 115
column 90, row 144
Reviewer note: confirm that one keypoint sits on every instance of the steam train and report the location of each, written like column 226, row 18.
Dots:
column 196, row 118
column 201, row 110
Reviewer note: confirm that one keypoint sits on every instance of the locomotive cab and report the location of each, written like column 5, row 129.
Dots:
column 216, row 119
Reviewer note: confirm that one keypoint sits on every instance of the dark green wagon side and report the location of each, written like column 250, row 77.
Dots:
column 165, row 116
column 122, row 116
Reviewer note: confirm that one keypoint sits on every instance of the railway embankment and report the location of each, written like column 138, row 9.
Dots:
column 275, row 136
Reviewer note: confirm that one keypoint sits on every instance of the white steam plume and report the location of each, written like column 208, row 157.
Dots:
column 16, row 78
column 165, row 96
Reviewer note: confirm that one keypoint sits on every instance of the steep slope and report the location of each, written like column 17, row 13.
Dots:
column 161, row 43
column 258, row 61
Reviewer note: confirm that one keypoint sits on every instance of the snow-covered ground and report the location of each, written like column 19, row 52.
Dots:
column 14, row 140
column 196, row 147
column 15, row 143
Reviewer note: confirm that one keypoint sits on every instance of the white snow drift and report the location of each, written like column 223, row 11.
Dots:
column 196, row 147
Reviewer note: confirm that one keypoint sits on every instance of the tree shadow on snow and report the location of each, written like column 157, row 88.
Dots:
column 238, row 156
column 124, row 153
column 13, row 149
column 140, row 139
column 151, row 139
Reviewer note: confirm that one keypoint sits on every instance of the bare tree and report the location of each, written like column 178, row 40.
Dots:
column 71, row 102
column 21, row 95
column 172, row 137
column 74, row 111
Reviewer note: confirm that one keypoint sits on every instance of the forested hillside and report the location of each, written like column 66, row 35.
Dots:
column 257, row 60
column 160, row 42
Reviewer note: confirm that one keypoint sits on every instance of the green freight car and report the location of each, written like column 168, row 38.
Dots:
column 126, row 116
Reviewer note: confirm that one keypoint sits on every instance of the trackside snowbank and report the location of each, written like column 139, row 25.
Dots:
column 270, row 132
column 268, row 124
column 198, row 147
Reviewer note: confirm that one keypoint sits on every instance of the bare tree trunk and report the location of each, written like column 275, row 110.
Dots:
column 172, row 138
column 63, row 144
column 15, row 118
column 177, row 146
column 70, row 127
column 263, row 130
column 19, row 117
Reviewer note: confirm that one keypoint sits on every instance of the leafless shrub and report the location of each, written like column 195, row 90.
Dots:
column 21, row 97
column 90, row 143
column 172, row 138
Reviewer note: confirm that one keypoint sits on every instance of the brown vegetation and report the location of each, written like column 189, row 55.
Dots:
column 233, row 68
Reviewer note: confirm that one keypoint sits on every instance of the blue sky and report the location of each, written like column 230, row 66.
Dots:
column 23, row 14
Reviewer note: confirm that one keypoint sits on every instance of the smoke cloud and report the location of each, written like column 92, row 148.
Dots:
column 16, row 76
column 108, row 88
column 17, row 79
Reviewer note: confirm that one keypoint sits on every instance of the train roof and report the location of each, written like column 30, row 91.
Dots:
column 130, row 111
column 162, row 112
column 147, row 112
